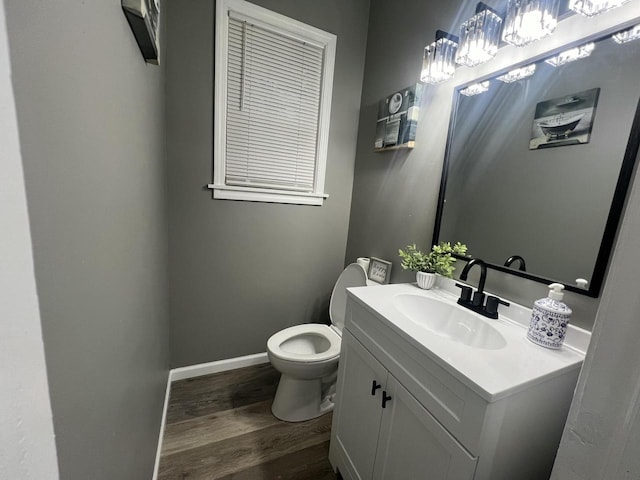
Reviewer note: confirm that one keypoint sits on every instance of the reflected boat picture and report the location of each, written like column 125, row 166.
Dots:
column 561, row 125
column 565, row 120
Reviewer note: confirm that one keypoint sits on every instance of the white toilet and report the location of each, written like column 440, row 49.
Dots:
column 307, row 357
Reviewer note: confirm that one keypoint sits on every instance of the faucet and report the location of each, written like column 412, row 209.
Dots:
column 513, row 258
column 478, row 296
column 476, row 302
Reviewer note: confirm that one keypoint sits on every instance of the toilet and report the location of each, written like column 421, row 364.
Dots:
column 307, row 357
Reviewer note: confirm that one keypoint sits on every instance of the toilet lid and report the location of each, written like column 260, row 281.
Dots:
column 352, row 276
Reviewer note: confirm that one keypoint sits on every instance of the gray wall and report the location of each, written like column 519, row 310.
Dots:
column 395, row 193
column 241, row 271
column 90, row 116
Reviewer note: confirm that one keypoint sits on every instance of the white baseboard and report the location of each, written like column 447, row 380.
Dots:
column 162, row 424
column 218, row 366
column 192, row 371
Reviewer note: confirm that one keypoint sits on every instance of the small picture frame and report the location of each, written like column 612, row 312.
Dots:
column 379, row 270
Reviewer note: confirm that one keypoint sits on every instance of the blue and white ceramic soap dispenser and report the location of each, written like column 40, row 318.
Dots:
column 549, row 319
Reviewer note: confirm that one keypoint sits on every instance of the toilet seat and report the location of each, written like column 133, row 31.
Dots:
column 313, row 342
column 306, row 343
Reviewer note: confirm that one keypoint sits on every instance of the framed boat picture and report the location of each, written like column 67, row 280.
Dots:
column 565, row 120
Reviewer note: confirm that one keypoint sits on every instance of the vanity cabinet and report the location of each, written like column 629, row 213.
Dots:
column 384, row 432
column 400, row 415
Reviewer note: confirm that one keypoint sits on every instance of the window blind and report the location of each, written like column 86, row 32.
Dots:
column 274, row 85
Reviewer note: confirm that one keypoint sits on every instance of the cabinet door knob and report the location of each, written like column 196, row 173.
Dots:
column 385, row 399
column 374, row 386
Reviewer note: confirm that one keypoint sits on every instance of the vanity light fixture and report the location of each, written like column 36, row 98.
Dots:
column 576, row 53
column 479, row 37
column 518, row 74
column 438, row 64
column 628, row 35
column 475, row 89
column 529, row 20
column 589, row 8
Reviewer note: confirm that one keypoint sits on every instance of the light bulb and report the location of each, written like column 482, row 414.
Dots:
column 529, row 20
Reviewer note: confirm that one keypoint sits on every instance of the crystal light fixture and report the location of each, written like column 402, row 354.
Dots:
column 438, row 64
column 475, row 89
column 479, row 37
column 589, row 8
column 628, row 35
column 518, row 74
column 576, row 53
column 529, row 20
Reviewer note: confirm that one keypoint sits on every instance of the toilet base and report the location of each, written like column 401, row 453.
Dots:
column 299, row 400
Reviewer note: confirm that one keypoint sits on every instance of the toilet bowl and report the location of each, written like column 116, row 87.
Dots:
column 307, row 357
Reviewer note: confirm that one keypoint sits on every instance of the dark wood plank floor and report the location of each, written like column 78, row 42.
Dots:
column 220, row 426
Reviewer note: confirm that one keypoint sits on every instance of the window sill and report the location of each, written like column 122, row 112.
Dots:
column 225, row 192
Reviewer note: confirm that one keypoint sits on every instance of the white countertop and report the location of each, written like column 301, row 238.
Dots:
column 493, row 374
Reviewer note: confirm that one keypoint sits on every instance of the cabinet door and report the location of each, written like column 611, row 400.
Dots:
column 356, row 421
column 414, row 445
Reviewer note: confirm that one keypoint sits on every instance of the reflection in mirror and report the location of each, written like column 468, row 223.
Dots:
column 542, row 191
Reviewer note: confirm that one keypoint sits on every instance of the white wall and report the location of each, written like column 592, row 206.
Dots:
column 27, row 444
column 602, row 436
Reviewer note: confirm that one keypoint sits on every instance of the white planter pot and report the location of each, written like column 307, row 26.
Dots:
column 426, row 280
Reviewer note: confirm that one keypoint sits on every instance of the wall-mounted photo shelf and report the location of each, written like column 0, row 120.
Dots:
column 398, row 119
column 405, row 146
column 143, row 17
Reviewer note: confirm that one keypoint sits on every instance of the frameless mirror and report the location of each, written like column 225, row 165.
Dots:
column 539, row 168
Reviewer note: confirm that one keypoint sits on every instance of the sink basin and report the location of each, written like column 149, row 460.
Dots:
column 450, row 321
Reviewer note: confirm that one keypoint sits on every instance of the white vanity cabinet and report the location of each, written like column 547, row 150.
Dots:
column 431, row 425
column 384, row 433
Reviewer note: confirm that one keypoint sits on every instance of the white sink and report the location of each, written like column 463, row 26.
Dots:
column 492, row 357
column 450, row 321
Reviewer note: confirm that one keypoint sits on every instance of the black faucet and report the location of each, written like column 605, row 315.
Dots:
column 476, row 302
column 478, row 296
column 514, row 258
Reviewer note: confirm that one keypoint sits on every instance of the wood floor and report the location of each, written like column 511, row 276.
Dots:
column 220, row 426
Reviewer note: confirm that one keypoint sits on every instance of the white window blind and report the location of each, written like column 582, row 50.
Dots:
column 273, row 93
column 273, row 101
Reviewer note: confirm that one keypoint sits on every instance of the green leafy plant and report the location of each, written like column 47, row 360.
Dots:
column 439, row 260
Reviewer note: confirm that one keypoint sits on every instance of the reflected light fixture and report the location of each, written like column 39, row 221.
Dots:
column 475, row 89
column 479, row 37
column 529, row 20
column 518, row 74
column 628, row 35
column 438, row 64
column 576, row 53
column 589, row 8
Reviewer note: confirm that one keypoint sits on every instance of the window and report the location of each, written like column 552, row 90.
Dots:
column 273, row 81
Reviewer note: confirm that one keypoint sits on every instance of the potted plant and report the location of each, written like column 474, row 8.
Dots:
column 439, row 260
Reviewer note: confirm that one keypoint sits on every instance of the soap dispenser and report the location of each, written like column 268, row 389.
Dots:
column 549, row 319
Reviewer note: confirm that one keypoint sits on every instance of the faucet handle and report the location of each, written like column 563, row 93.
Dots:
column 465, row 294
column 478, row 299
column 492, row 306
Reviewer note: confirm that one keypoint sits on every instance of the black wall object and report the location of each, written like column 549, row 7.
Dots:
column 143, row 28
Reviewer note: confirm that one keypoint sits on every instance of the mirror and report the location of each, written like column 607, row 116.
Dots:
column 548, row 190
